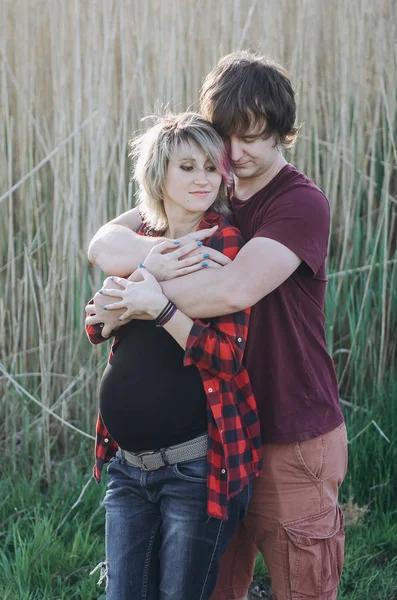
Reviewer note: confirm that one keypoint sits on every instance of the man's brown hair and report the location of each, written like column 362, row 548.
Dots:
column 247, row 90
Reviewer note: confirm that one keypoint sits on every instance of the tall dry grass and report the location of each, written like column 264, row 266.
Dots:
column 77, row 77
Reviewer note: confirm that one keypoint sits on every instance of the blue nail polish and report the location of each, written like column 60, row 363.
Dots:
column 105, row 308
column 100, row 291
column 119, row 319
column 199, row 243
column 206, row 255
column 204, row 264
column 141, row 266
column 177, row 243
column 112, row 279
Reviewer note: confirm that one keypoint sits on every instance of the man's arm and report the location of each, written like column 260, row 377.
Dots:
column 118, row 250
column 116, row 247
column 259, row 268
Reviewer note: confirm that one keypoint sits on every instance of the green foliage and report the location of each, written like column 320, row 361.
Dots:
column 48, row 550
column 70, row 104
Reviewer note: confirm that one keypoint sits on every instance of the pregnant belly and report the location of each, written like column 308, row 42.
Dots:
column 145, row 411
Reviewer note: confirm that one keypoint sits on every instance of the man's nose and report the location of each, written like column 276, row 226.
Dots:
column 235, row 150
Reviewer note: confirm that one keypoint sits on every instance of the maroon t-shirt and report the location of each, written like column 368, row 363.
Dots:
column 292, row 374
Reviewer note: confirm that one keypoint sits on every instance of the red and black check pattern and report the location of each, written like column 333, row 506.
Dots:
column 216, row 347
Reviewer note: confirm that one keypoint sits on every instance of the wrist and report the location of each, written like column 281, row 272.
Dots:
column 157, row 308
column 166, row 315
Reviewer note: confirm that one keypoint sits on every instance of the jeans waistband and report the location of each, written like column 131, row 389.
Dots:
column 165, row 457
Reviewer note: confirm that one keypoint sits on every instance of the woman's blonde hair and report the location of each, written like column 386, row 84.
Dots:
column 151, row 153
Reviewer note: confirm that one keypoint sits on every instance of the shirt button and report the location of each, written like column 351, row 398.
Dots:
column 210, row 390
column 223, row 471
column 239, row 339
column 106, row 440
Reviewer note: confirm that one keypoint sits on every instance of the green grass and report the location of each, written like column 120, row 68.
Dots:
column 100, row 72
column 48, row 548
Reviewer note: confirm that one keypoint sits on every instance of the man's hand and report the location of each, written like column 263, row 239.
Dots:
column 96, row 314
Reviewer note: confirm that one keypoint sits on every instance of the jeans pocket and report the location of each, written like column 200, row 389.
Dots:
column 113, row 462
column 193, row 470
column 315, row 548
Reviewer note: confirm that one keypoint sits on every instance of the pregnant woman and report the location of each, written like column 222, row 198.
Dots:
column 177, row 418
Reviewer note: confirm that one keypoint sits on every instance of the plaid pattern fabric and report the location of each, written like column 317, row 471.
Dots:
column 216, row 347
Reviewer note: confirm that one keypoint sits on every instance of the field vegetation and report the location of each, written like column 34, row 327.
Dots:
column 75, row 80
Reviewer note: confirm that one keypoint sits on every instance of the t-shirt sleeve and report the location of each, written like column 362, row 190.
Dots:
column 300, row 220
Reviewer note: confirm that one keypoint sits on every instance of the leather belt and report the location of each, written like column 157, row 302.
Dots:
column 165, row 457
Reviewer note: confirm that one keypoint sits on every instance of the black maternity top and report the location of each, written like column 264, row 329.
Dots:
column 148, row 399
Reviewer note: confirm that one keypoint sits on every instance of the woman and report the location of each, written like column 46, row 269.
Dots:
column 177, row 416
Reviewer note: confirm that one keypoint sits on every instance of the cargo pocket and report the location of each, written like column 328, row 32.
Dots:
column 315, row 547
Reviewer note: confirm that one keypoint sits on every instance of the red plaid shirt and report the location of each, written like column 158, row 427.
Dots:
column 216, row 347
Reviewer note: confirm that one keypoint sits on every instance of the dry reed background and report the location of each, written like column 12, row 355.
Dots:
column 76, row 77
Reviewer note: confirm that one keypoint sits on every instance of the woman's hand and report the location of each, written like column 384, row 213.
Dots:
column 142, row 296
column 169, row 260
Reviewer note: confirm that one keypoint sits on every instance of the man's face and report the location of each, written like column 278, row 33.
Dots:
column 252, row 155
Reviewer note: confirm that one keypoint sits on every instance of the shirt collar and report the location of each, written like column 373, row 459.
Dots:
column 210, row 219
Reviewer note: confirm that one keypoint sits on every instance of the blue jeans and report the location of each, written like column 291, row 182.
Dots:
column 160, row 542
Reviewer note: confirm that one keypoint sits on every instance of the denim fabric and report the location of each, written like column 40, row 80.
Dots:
column 160, row 542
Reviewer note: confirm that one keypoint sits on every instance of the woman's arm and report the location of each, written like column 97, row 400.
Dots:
column 217, row 345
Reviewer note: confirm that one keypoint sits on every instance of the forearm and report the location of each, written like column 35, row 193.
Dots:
column 179, row 327
column 216, row 345
column 209, row 293
column 259, row 268
column 118, row 250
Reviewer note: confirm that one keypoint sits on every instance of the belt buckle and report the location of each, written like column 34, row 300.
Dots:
column 142, row 457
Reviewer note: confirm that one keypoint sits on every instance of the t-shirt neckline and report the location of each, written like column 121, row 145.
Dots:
column 265, row 187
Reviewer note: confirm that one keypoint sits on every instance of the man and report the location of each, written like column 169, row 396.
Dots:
column 294, row 519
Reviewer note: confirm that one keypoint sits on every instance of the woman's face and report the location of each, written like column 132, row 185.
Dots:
column 192, row 181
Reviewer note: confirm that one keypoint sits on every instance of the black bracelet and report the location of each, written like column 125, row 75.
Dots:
column 165, row 309
column 167, row 317
column 168, row 308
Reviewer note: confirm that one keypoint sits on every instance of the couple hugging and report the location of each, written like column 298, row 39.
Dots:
column 219, row 408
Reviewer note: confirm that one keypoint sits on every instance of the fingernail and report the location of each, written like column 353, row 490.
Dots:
column 204, row 264
column 141, row 266
column 119, row 319
column 177, row 243
column 199, row 243
column 105, row 308
column 204, row 256
column 112, row 279
column 101, row 292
